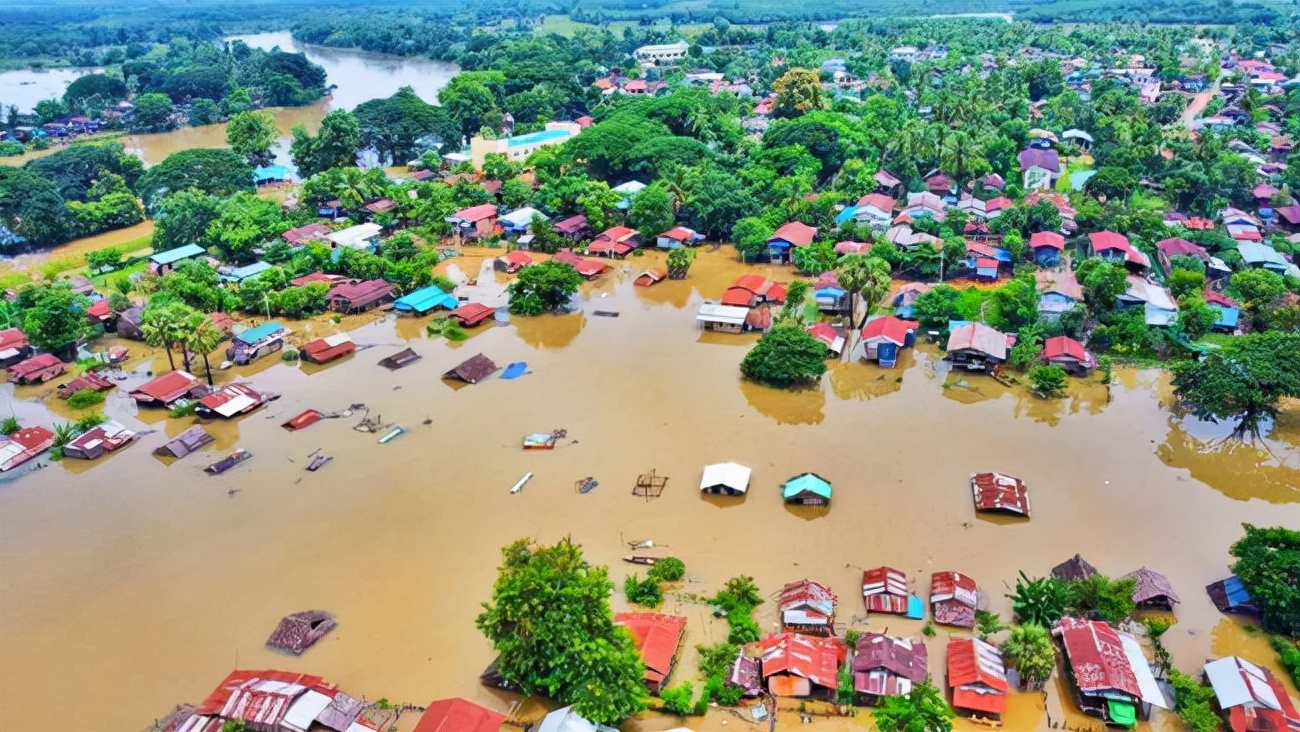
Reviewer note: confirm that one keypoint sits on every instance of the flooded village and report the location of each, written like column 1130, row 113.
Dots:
column 301, row 527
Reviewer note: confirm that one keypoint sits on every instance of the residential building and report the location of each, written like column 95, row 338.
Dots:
column 887, row 666
column 977, row 678
column 519, row 147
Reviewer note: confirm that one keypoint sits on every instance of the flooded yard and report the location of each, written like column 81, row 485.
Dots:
column 137, row 585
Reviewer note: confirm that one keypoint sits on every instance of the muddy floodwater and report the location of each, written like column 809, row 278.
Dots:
column 132, row 585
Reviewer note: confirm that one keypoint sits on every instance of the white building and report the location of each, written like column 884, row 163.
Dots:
column 661, row 53
column 361, row 236
column 520, row 147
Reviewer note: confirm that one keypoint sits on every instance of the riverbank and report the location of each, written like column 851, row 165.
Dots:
column 401, row 541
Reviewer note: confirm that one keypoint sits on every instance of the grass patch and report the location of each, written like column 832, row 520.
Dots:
column 86, row 398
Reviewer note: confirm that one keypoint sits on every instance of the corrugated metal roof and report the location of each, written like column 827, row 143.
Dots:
column 998, row 492
column 1151, row 585
column 885, row 666
column 657, row 638
column 257, row 334
column 425, row 299
column 811, row 657
column 167, row 388
column 726, row 314
column 458, row 715
column 177, row 254
column 732, row 475
column 806, row 483
column 978, row 337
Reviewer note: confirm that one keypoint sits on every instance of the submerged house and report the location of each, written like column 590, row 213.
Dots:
column 617, row 242
column 884, row 336
column 164, row 390
column 300, row 631
column 567, row 720
column 887, row 666
column 657, row 638
column 1230, row 596
column 230, row 401
column 884, row 590
column 1069, row 354
column 998, row 493
column 1153, row 590
column 807, row 607
column 1047, row 247
column 278, row 700
column 977, row 678
column 38, row 369
column 1250, row 697
column 256, row 342
column 725, row 318
column 783, row 242
column 678, row 236
column 475, row 222
column 329, row 348
column 13, row 346
column 164, row 262
column 1074, row 568
column 728, row 479
column 953, row 597
column 802, row 666
column 357, row 297
column 23, row 445
column 191, row 440
column 472, row 314
column 826, row 334
column 473, row 369
column 651, row 277
column 976, row 347
column 807, row 489
column 590, row 269
column 424, row 300
column 573, row 227
column 100, row 440
column 458, row 715
column 750, row 290
column 1112, row 677
column 512, row 262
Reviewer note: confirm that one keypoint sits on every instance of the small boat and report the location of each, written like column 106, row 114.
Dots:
column 587, row 485
column 394, row 432
column 318, row 462
column 540, row 441
column 647, row 561
column 520, row 485
column 306, row 419
column 228, row 462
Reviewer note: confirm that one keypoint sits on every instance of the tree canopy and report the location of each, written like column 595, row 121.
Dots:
column 1268, row 565
column 786, row 355
column 213, row 171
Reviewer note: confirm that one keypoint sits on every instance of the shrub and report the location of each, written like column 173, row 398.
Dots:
column 677, row 699
column 743, row 628
column 668, row 569
column 1288, row 654
column 642, row 592
column 289, row 355
column 1048, row 380
column 729, row 695
column 9, row 426
column 851, row 637
column 1103, row 598
column 90, row 421
column 86, row 398
column 1192, row 701
column 715, row 660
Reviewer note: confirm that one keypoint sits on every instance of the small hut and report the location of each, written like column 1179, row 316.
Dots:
column 89, row 381
column 473, row 370
column 953, row 597
column 472, row 314
column 404, row 357
column 38, row 369
column 807, row 489
column 191, row 440
column 1230, row 596
column 998, row 493
column 1074, row 568
column 1153, row 590
column 329, row 348
column 102, row 439
column 300, row 631
column 728, row 479
column 807, row 607
column 884, row 590
column 649, row 277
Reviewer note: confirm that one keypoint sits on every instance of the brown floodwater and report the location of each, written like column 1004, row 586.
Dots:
column 131, row 585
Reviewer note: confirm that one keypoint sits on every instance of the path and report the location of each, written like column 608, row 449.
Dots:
column 1199, row 103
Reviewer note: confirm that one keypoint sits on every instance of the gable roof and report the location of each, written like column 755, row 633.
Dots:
column 425, row 299
column 473, row 369
column 879, row 200
column 1240, row 683
column 458, row 715
column 360, row 291
column 805, row 602
column 978, row 337
column 1177, row 246
column 257, row 334
column 177, row 254
column 889, row 328
column 1038, row 158
column 886, row 666
column 168, row 387
column 795, row 232
column 731, row 475
column 474, row 214
column 1104, row 660
column 1059, row 346
column 811, row 657
column 1046, row 239
column 657, row 638
column 806, row 482
column 998, row 492
column 1151, row 585
column 33, row 365
column 977, row 676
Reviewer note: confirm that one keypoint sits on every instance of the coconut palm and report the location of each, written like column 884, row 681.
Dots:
column 1029, row 649
column 202, row 337
column 161, row 326
column 864, row 276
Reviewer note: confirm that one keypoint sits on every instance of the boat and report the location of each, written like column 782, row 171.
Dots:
column 306, row 419
column 587, row 485
column 394, row 432
column 228, row 462
column 318, row 462
column 520, row 485
column 647, row 561
column 540, row 441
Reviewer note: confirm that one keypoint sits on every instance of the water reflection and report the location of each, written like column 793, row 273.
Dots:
column 1241, row 469
column 786, row 406
column 549, row 331
column 855, row 380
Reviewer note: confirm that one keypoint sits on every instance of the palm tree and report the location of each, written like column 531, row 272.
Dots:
column 1029, row 649
column 1041, row 601
column 159, row 325
column 867, row 277
column 202, row 337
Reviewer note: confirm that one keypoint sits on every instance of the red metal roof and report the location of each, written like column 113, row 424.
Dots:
column 608, row 246
column 797, row 233
column 572, row 225
column 977, row 676
column 811, row 657
column 824, row 333
column 885, row 666
column 978, row 337
column 458, row 715
column 879, row 200
column 884, row 590
column 166, row 388
column 471, row 313
column 1177, row 246
column 889, row 328
column 474, row 214
column 1096, row 656
column 305, row 233
column 618, row 233
column 360, row 292
column 1104, row 240
column 12, row 338
column 34, row 365
column 980, row 249
column 381, row 205
column 1046, row 239
column 998, row 492
column 986, row 263
column 519, row 258
column 657, row 638
column 1214, row 297
column 953, row 596
column 998, row 204
column 1065, row 346
column 589, row 268
column 324, row 350
column 852, row 247
column 99, row 310
column 247, row 397
column 678, row 233
column 808, row 596
column 568, row 257
column 33, row 438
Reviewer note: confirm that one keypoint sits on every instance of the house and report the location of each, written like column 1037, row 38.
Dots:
column 1116, row 248
column 752, row 290
column 747, row 674
column 38, row 369
column 883, row 336
column 1074, row 568
column 162, row 391
column 164, row 262
column 278, row 700
column 904, row 302
column 826, row 334
column 1047, row 247
column 458, row 715
column 617, row 242
column 1157, row 302
column 590, row 269
column 240, row 275
column 474, row 222
column 830, row 296
column 649, row 277
column 1227, row 318
column 1266, row 257
column 953, row 597
column 518, row 147
column 520, row 220
column 1111, row 675
column 1069, row 354
column 1251, row 697
column 998, row 493
column 1167, row 249
column 657, row 638
column 786, row 238
column 1081, row 139
column 802, row 666
column 513, row 261
column 1230, row 596
column 573, row 227
column 727, row 479
column 725, row 318
column 424, row 300
column 974, row 208
column 329, row 279
column 13, row 347
column 876, row 209
column 99, row 440
column 23, row 445
column 567, row 720
column 361, row 236
column 472, row 314
column 977, row 678
column 807, row 489
column 357, row 297
column 976, row 347
column 940, row 184
column 329, row 348
column 887, row 666
column 884, row 590
column 807, row 607
column 661, row 53
column 270, row 174
column 473, row 369
column 256, row 342
column 1153, row 590
column 1289, row 217
column 99, row 313
column 1040, row 167
column 629, row 189
column 401, row 359
column 678, row 236
column 230, row 401
column 886, row 182
column 89, row 381
column 301, row 235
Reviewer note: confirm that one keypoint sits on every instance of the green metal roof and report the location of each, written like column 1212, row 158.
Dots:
column 810, row 482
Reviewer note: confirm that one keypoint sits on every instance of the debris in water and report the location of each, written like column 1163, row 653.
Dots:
column 586, row 485
column 520, row 485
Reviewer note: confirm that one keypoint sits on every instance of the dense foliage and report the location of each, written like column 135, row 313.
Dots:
column 785, row 356
column 1268, row 564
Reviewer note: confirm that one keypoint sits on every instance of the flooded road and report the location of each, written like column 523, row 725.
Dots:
column 139, row 585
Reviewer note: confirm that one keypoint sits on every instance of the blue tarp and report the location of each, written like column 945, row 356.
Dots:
column 915, row 608
column 515, row 370
column 1236, row 592
column 849, row 213
column 1228, row 317
column 270, row 174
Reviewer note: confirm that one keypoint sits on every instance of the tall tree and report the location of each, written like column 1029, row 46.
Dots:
column 550, row 622
column 213, row 171
column 652, row 210
column 798, row 91
column 335, row 145
column 866, row 277
column 1029, row 648
column 54, row 317
column 1268, row 563
column 202, row 336
column 923, row 709
column 1243, row 381
column 785, row 356
column 252, row 134
column 163, row 326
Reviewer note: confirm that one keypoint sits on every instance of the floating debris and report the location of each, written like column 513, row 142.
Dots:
column 586, row 485
column 228, row 462
column 396, row 431
column 522, row 481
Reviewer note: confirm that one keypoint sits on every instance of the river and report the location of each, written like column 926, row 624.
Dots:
column 132, row 585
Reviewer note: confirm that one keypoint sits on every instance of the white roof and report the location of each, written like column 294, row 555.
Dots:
column 566, row 720
column 304, row 710
column 732, row 475
column 522, row 216
column 1150, row 691
column 337, row 339
column 1238, row 682
column 235, row 406
column 1076, row 133
column 354, row 237
column 712, row 312
column 630, row 187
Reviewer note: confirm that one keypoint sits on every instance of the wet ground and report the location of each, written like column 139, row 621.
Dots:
column 131, row 585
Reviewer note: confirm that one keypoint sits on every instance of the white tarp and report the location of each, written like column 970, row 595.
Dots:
column 1150, row 691
column 1238, row 682
column 732, row 475
column 711, row 312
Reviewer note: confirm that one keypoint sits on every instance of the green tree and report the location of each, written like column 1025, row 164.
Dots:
column 1195, row 317
column 93, row 88
column 797, row 91
column 677, row 699
column 668, row 569
column 1268, row 564
column 244, row 222
column 183, row 217
column 213, row 171
column 551, row 625
column 751, row 235
column 334, row 146
column 1193, row 701
column 1111, row 182
column 1103, row 282
column 1259, row 290
column 816, row 258
column 646, row 593
column 153, row 113
column 252, row 134
column 652, row 210
column 166, row 325
column 1029, row 649
column 1184, row 282
column 1103, row 598
column 104, row 260
column 923, row 709
column 202, row 336
column 1048, row 381
column 471, row 103
column 543, row 288
column 1242, row 381
column 54, row 318
column 864, row 277
column 32, row 207
column 1040, row 601
column 786, row 355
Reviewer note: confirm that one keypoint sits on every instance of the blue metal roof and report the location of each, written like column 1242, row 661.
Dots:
column 246, row 272
column 259, row 333
column 849, row 212
column 177, row 254
column 1228, row 317
column 270, row 173
column 1236, row 592
column 833, row 293
column 424, row 300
